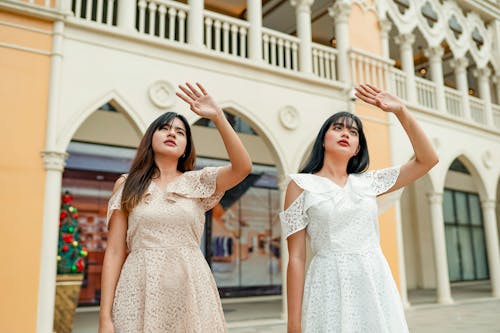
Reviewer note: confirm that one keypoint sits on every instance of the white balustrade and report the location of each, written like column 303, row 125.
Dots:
column 369, row 68
column 454, row 102
column 225, row 34
column 279, row 49
column 477, row 110
column 398, row 83
column 100, row 11
column 163, row 18
column 426, row 93
column 324, row 61
column 495, row 108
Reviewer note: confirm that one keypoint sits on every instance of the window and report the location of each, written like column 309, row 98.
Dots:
column 465, row 242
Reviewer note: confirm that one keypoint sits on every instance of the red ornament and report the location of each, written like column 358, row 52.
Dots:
column 67, row 198
column 65, row 248
column 60, row 224
column 67, row 238
column 80, row 265
column 74, row 215
column 63, row 215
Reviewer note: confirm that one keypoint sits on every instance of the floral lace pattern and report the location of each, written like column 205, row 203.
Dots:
column 165, row 284
column 349, row 285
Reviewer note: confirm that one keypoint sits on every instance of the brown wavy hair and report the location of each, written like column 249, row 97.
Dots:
column 144, row 167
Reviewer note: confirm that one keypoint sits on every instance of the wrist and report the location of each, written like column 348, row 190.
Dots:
column 402, row 110
column 219, row 117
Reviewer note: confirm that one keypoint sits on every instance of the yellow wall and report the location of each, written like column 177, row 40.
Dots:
column 365, row 34
column 24, row 82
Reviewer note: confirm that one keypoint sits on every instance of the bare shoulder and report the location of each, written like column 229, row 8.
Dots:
column 292, row 192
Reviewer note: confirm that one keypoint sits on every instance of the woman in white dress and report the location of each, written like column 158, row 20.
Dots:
column 348, row 287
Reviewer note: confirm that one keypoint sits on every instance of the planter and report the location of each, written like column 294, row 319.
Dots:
column 67, row 293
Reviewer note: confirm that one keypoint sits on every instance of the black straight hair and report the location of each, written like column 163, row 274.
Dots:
column 357, row 164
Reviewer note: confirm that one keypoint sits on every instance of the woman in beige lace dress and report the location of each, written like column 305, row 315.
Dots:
column 155, row 277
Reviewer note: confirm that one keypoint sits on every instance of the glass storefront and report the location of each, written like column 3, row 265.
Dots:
column 242, row 233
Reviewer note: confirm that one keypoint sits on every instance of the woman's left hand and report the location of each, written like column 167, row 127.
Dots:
column 200, row 101
column 381, row 99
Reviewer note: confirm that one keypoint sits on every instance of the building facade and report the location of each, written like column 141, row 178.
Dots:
column 84, row 78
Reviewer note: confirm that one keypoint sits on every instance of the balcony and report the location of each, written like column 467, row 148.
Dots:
column 246, row 42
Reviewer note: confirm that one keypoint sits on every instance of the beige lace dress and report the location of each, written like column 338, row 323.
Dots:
column 166, row 284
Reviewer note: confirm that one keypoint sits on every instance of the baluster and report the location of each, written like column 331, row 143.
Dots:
column 328, row 75
column 265, row 48
column 234, row 39
column 281, row 44
column 217, row 26
column 208, row 32
column 99, row 17
column 273, row 50
column 142, row 15
column 353, row 68
column 88, row 10
column 243, row 42
column 288, row 63
column 225, row 37
column 321, row 56
column 172, row 12
column 315, row 61
column 162, row 10
column 78, row 8
column 152, row 18
column 295, row 56
column 109, row 12
column 333, row 64
column 182, row 18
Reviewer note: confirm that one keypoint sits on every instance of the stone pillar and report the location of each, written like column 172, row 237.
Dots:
column 405, row 42
column 492, row 248
column 195, row 23
column 436, row 63
column 483, row 79
column 460, row 67
column 340, row 12
column 443, row 291
column 303, row 16
column 254, row 10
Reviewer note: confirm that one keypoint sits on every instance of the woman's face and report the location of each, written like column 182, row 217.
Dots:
column 342, row 138
column 170, row 140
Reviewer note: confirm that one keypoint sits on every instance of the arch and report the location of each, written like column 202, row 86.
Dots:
column 458, row 46
column 477, row 178
column 69, row 129
column 435, row 34
column 258, row 125
column 481, row 56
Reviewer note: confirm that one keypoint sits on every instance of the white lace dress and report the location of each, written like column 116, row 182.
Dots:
column 165, row 284
column 349, row 287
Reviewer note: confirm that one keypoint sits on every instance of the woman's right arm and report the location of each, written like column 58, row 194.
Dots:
column 295, row 275
column 114, row 257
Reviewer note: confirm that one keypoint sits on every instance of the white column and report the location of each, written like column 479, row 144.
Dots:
column 303, row 16
column 340, row 13
column 443, row 291
column 403, row 289
column 496, row 80
column 435, row 54
column 405, row 42
column 492, row 247
column 54, row 166
column 460, row 67
column 195, row 23
column 126, row 15
column 254, row 17
column 483, row 79
column 385, row 27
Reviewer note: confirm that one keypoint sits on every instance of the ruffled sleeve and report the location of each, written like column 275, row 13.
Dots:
column 383, row 179
column 199, row 184
column 294, row 218
column 114, row 202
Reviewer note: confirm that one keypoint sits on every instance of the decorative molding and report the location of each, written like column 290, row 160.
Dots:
column 434, row 52
column 459, row 64
column 289, row 117
column 162, row 94
column 488, row 204
column 366, row 6
column 340, row 11
column 406, row 39
column 54, row 160
column 487, row 159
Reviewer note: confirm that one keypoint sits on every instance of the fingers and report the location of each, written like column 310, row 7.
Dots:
column 188, row 92
column 202, row 88
column 184, row 97
column 366, row 99
column 193, row 90
column 364, row 92
column 369, row 89
column 377, row 90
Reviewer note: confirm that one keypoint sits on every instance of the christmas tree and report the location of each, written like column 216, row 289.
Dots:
column 70, row 251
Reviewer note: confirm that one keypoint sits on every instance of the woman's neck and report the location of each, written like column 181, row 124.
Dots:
column 167, row 168
column 335, row 167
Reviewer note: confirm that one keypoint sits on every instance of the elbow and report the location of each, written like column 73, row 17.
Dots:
column 434, row 161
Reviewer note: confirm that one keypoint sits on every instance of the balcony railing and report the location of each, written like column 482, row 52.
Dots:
column 163, row 18
column 454, row 102
column 324, row 64
column 496, row 115
column 280, row 50
column 398, row 82
column 426, row 93
column 369, row 68
column 100, row 11
column 477, row 111
column 225, row 34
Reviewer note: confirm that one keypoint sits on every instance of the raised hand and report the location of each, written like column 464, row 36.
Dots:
column 200, row 102
column 381, row 99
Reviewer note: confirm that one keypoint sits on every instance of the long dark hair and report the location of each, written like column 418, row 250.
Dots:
column 357, row 164
column 144, row 168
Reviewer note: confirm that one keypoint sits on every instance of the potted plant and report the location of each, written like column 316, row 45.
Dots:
column 70, row 266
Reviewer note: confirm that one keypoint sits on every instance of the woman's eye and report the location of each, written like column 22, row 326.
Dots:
column 180, row 133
